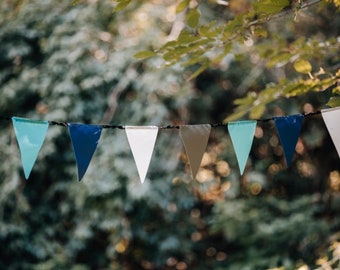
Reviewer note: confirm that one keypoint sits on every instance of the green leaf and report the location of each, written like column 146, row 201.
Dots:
column 336, row 89
column 257, row 111
column 302, row 66
column 260, row 32
column 247, row 100
column 182, row 6
column 145, row 54
column 199, row 70
column 327, row 83
column 192, row 48
column 281, row 58
column 270, row 6
column 170, row 45
column 333, row 102
column 206, row 30
column 171, row 56
column 121, row 5
column 293, row 89
column 338, row 73
column 233, row 25
column 75, row 2
column 195, row 59
column 193, row 17
column 183, row 50
column 187, row 37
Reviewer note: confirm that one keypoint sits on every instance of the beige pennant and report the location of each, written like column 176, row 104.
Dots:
column 195, row 140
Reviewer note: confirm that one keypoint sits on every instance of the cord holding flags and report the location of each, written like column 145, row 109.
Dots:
column 85, row 138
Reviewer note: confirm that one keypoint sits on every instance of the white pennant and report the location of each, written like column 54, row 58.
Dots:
column 142, row 142
column 331, row 118
column 195, row 140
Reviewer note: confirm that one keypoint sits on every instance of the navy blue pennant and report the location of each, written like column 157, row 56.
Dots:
column 288, row 128
column 84, row 139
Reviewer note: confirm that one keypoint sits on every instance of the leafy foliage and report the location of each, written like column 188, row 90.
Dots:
column 248, row 33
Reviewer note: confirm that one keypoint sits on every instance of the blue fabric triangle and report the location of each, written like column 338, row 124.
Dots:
column 84, row 140
column 288, row 128
column 30, row 135
column 242, row 136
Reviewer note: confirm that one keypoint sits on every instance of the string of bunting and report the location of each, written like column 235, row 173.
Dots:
column 104, row 126
column 30, row 135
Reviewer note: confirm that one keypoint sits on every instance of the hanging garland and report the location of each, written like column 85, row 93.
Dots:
column 30, row 135
column 104, row 126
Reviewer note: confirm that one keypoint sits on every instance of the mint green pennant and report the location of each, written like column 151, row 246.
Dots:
column 242, row 136
column 30, row 135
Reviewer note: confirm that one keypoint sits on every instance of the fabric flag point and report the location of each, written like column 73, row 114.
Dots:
column 85, row 139
column 195, row 140
column 242, row 136
column 30, row 135
column 331, row 118
column 142, row 142
column 288, row 128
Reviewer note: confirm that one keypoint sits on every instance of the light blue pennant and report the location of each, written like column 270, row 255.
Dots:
column 288, row 128
column 242, row 136
column 30, row 135
column 85, row 139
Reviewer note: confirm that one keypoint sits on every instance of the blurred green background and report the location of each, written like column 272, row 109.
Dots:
column 74, row 63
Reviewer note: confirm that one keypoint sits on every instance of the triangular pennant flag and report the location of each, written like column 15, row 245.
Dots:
column 331, row 118
column 195, row 140
column 288, row 128
column 242, row 136
column 30, row 136
column 85, row 139
column 142, row 142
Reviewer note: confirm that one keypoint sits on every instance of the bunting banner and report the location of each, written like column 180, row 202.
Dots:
column 84, row 140
column 242, row 136
column 142, row 142
column 288, row 128
column 331, row 118
column 30, row 135
column 195, row 140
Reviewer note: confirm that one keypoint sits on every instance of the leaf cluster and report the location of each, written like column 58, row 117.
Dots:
column 208, row 44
